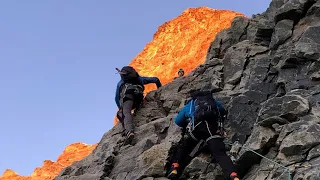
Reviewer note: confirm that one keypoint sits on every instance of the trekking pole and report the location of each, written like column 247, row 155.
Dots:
column 278, row 164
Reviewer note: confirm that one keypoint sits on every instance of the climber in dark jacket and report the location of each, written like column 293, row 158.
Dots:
column 180, row 73
column 208, row 129
column 129, row 96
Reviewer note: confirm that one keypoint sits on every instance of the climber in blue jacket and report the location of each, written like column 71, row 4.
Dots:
column 129, row 96
column 203, row 118
column 185, row 115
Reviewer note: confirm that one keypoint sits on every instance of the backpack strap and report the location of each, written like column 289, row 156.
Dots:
column 191, row 113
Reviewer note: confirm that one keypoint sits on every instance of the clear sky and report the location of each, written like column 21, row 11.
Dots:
column 57, row 68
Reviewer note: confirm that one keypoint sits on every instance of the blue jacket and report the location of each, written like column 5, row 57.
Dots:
column 185, row 115
column 143, row 80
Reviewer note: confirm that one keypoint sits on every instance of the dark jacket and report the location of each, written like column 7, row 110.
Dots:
column 185, row 115
column 143, row 80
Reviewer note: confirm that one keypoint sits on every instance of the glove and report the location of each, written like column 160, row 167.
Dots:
column 222, row 133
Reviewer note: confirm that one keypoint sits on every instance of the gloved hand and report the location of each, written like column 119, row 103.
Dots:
column 222, row 133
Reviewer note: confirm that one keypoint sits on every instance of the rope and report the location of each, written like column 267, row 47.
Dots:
column 280, row 165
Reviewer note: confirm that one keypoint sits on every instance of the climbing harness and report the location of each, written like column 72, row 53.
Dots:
column 249, row 149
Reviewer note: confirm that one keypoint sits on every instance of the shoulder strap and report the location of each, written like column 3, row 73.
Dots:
column 191, row 113
column 191, row 105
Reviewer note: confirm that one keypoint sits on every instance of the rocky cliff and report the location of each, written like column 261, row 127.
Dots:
column 178, row 43
column 181, row 43
column 50, row 169
column 266, row 72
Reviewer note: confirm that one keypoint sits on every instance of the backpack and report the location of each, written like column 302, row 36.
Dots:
column 130, row 75
column 205, row 107
column 131, row 85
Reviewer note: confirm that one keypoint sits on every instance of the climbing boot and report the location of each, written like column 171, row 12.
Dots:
column 234, row 176
column 129, row 138
column 173, row 171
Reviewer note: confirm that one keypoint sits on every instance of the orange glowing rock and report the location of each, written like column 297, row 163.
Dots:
column 49, row 170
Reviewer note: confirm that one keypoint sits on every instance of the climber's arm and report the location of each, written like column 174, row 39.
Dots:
column 222, row 110
column 117, row 96
column 181, row 119
column 148, row 80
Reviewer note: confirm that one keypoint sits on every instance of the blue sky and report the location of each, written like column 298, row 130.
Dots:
column 57, row 68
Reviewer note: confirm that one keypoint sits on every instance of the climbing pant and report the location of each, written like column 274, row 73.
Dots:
column 124, row 114
column 207, row 132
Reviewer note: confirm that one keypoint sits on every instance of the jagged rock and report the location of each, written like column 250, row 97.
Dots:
column 235, row 61
column 260, row 138
column 153, row 160
column 289, row 107
column 264, row 32
column 258, row 76
column 287, row 129
column 315, row 76
column 150, row 112
column 227, row 38
column 260, row 141
column 298, row 78
column 293, row 10
column 314, row 9
column 273, row 120
column 297, row 143
column 206, row 77
column 282, row 32
column 308, row 170
column 308, row 46
column 271, row 11
column 243, row 112
column 237, row 58
column 97, row 165
column 314, row 152
column 263, row 169
column 196, row 167
column 281, row 57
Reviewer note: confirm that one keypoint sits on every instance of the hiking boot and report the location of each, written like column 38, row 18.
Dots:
column 173, row 171
column 129, row 138
column 234, row 176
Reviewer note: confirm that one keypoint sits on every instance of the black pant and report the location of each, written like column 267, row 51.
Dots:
column 125, row 117
column 124, row 114
column 205, row 131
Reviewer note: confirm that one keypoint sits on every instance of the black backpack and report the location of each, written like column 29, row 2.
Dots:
column 132, row 85
column 205, row 107
column 129, row 75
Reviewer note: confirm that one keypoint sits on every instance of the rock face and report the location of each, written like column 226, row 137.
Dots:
column 50, row 169
column 265, row 70
column 181, row 43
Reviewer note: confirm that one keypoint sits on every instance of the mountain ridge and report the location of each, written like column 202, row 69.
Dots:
column 49, row 169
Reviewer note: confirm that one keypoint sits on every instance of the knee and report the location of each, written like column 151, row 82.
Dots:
column 127, row 109
column 217, row 145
